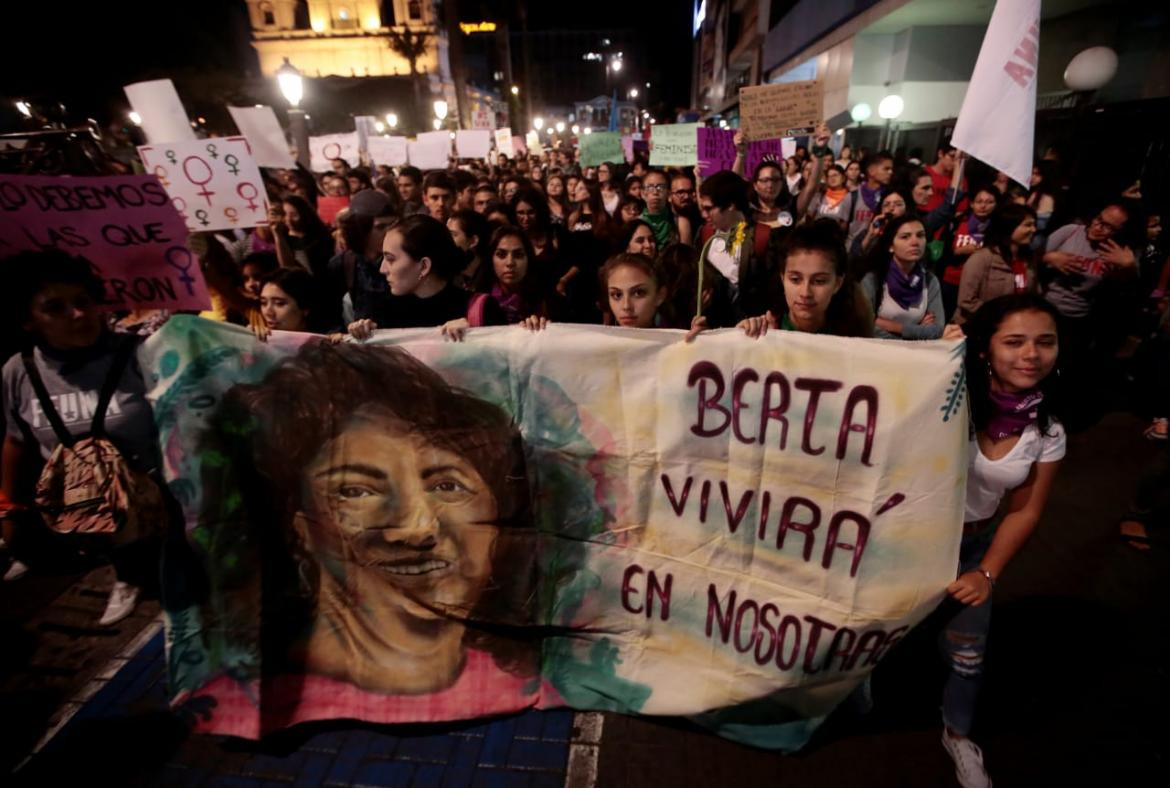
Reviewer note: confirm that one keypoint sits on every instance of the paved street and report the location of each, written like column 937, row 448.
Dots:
column 1076, row 687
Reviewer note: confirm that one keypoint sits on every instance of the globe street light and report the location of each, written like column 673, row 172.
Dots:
column 515, row 90
column 861, row 112
column 891, row 106
column 633, row 92
column 391, row 120
column 560, row 126
column 538, row 123
column 576, row 129
column 292, row 87
column 616, row 65
column 440, row 110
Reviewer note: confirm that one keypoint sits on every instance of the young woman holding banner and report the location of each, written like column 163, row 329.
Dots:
column 1012, row 376
column 819, row 296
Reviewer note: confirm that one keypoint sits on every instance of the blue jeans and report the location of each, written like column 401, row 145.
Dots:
column 964, row 641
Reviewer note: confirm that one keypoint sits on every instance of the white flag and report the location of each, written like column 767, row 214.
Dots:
column 998, row 119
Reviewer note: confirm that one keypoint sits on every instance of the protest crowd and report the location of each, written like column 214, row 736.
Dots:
column 897, row 246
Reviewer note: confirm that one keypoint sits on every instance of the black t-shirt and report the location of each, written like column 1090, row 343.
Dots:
column 450, row 303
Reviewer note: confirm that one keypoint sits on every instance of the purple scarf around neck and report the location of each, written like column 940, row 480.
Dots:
column 977, row 227
column 871, row 197
column 906, row 289
column 512, row 304
column 1012, row 412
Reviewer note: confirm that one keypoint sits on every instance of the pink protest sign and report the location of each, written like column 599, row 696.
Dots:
column 716, row 150
column 126, row 226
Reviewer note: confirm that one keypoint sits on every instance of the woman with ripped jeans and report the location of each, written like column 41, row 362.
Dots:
column 1015, row 450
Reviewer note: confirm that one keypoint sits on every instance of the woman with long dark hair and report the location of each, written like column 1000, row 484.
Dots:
column 1013, row 352
column 1003, row 266
column 905, row 297
column 420, row 262
column 511, row 276
column 819, row 295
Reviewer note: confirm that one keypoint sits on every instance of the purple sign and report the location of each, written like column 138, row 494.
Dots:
column 717, row 152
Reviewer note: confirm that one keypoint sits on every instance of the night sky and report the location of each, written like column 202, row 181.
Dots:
column 82, row 54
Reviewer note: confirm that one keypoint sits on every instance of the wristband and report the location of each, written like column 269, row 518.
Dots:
column 986, row 574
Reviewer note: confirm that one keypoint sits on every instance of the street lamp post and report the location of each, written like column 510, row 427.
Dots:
column 292, row 86
column 889, row 108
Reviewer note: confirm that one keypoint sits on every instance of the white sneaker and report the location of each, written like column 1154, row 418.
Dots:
column 16, row 570
column 123, row 599
column 968, row 760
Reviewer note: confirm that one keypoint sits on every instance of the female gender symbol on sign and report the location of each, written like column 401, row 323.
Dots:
column 160, row 172
column 179, row 257
column 251, row 198
column 205, row 193
column 211, row 151
column 335, row 147
column 180, row 206
column 201, row 215
column 231, row 214
column 233, row 164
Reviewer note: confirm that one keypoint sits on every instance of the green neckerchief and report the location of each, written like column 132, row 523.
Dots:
column 786, row 324
column 661, row 224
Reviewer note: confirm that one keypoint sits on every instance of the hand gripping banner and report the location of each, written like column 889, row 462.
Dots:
column 412, row 530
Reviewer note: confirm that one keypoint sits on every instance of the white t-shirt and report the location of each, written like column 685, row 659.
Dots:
column 988, row 481
column 724, row 262
column 892, row 310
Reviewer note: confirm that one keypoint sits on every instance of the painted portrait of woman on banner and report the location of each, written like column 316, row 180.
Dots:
column 392, row 514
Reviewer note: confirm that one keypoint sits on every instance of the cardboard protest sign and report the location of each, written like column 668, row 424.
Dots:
column 163, row 117
column 519, row 145
column 388, row 151
column 126, row 226
column 786, row 109
column 324, row 149
column 533, row 142
column 770, row 516
column 504, row 142
column 673, row 144
column 716, row 150
column 265, row 137
column 473, row 143
column 601, row 146
column 431, row 150
column 214, row 184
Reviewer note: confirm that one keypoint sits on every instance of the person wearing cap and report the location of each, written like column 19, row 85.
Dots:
column 356, row 290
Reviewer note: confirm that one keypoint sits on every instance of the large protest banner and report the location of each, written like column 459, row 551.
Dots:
column 125, row 225
column 413, row 530
column 213, row 184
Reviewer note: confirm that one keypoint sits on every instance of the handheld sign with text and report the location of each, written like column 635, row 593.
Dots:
column 504, row 142
column 324, row 149
column 716, row 150
column 125, row 225
column 601, row 146
column 260, row 127
column 674, row 145
column 214, row 184
column 163, row 117
column 388, row 151
column 759, row 151
column 787, row 109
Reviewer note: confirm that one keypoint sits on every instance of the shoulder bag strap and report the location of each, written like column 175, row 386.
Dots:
column 110, row 385
column 50, row 411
